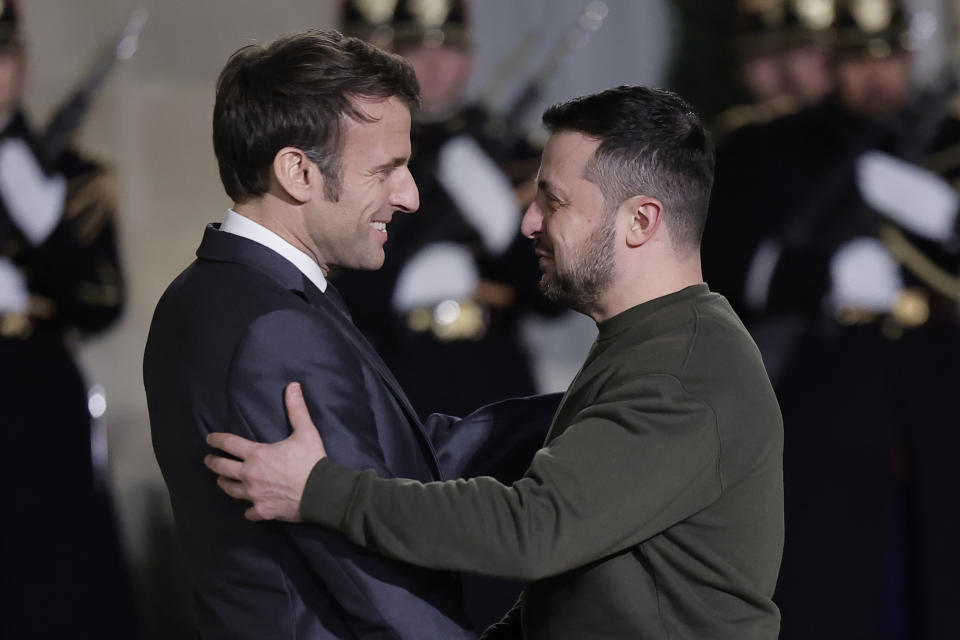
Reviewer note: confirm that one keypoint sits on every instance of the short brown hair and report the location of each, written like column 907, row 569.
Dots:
column 294, row 92
column 651, row 143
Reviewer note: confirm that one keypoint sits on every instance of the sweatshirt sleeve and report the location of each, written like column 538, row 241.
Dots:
column 642, row 456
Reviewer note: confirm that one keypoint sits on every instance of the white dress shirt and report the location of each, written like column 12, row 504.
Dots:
column 240, row 225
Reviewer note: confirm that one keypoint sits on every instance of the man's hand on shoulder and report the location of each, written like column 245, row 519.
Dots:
column 271, row 476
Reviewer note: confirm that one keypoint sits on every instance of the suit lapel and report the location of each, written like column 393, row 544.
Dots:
column 353, row 335
column 226, row 247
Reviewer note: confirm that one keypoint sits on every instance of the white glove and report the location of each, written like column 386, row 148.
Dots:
column 33, row 200
column 864, row 277
column 441, row 271
column 762, row 266
column 916, row 199
column 14, row 297
column 481, row 191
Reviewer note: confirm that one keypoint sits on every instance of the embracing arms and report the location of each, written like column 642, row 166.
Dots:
column 624, row 471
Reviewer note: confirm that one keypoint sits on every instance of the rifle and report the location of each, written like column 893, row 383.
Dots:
column 501, row 124
column 576, row 37
column 68, row 117
column 51, row 144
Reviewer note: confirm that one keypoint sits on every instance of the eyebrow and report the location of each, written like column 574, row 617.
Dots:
column 392, row 164
column 550, row 190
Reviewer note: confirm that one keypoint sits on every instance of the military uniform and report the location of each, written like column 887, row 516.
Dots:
column 444, row 310
column 766, row 32
column 866, row 394
column 63, row 571
column 449, row 364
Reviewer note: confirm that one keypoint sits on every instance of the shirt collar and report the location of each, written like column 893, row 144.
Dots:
column 242, row 226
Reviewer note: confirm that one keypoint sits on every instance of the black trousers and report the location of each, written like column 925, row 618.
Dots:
column 64, row 574
column 871, row 434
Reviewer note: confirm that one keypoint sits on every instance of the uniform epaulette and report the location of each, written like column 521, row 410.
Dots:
column 753, row 113
column 91, row 203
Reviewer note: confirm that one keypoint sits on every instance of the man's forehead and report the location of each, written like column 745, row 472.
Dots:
column 569, row 148
column 565, row 156
column 569, row 140
column 374, row 110
column 378, row 143
column 384, row 119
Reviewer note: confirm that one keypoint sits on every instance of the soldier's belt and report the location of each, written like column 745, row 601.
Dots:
column 912, row 309
column 449, row 320
column 22, row 325
column 15, row 325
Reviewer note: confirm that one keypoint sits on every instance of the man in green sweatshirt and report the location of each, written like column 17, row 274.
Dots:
column 655, row 508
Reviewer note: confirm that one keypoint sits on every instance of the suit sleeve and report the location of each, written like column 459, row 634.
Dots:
column 642, row 457
column 497, row 440
column 382, row 598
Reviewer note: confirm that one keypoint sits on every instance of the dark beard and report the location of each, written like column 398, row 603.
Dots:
column 581, row 285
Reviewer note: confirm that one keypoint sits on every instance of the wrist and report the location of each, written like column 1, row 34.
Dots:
column 327, row 494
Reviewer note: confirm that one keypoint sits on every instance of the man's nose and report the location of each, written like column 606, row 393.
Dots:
column 406, row 196
column 532, row 221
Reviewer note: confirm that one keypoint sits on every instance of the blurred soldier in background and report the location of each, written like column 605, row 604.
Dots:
column 444, row 309
column 782, row 50
column 63, row 574
column 834, row 231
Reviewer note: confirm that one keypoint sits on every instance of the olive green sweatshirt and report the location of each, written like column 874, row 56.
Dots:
column 654, row 510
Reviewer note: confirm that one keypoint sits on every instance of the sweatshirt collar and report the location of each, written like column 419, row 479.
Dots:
column 619, row 323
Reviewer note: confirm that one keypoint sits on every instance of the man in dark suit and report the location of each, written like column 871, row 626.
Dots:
column 312, row 136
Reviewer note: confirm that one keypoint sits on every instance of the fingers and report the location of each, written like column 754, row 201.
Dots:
column 224, row 466
column 297, row 408
column 304, row 430
column 232, row 444
column 233, row 488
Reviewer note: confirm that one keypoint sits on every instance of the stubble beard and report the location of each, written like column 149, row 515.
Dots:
column 581, row 285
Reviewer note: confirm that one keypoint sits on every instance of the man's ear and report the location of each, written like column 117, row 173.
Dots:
column 296, row 174
column 643, row 219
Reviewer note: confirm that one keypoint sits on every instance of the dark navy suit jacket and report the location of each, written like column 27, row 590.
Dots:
column 227, row 336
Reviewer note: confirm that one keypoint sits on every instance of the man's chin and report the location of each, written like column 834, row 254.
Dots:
column 566, row 293
column 370, row 264
column 372, row 261
column 551, row 290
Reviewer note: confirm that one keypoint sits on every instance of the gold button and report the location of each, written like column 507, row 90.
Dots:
column 911, row 308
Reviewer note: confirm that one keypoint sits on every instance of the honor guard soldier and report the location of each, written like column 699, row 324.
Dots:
column 63, row 574
column 834, row 230
column 782, row 51
column 444, row 309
